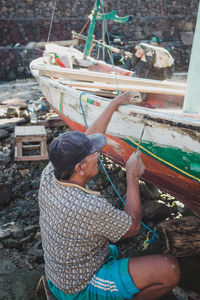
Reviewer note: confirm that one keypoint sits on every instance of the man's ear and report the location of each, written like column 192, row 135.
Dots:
column 79, row 169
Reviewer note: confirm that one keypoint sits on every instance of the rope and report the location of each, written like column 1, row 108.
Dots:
column 86, row 23
column 110, row 51
column 155, row 235
column 52, row 17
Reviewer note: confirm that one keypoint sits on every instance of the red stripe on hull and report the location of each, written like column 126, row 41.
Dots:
column 184, row 189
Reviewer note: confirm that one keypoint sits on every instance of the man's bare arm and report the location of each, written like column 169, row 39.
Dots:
column 134, row 169
column 101, row 124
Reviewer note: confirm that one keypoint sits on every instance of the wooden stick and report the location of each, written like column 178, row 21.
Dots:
column 113, row 49
column 61, row 43
column 82, row 75
column 123, row 88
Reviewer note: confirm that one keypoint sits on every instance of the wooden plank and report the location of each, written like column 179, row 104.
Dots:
column 123, row 88
column 31, row 147
column 31, row 158
column 61, row 43
column 19, row 148
column 30, row 131
column 33, row 138
column 82, row 75
column 43, row 148
column 98, row 92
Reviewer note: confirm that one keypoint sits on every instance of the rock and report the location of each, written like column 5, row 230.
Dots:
column 18, row 234
column 24, row 172
column 193, row 296
column 4, row 157
column 155, row 212
column 31, row 194
column 188, row 26
column 25, row 212
column 13, row 111
column 3, row 134
column 30, row 229
column 10, row 180
column 179, row 293
column 3, row 110
column 9, row 124
column 20, row 103
column 6, row 266
column 148, row 191
column 35, row 184
column 11, row 243
column 4, row 233
column 187, row 37
column 25, row 239
column 6, row 195
column 24, row 114
column 11, row 229
column 17, row 283
column 25, row 185
column 37, row 252
column 180, row 206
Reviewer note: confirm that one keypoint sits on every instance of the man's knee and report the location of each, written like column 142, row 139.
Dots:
column 172, row 270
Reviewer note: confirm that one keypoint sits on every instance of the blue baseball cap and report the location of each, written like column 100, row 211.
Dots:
column 71, row 147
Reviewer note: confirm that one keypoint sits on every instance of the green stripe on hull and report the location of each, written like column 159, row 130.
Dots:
column 185, row 163
column 61, row 101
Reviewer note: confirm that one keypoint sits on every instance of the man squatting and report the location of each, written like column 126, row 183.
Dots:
column 77, row 224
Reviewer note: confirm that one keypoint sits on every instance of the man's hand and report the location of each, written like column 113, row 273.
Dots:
column 134, row 166
column 134, row 169
column 139, row 52
column 101, row 124
column 126, row 98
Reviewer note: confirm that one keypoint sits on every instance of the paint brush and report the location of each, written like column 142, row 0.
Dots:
column 138, row 146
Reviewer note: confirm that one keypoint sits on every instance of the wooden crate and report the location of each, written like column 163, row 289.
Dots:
column 30, row 138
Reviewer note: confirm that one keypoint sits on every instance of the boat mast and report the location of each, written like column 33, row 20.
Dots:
column 91, row 29
column 192, row 97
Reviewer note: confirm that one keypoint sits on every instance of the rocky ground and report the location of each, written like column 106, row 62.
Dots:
column 21, row 251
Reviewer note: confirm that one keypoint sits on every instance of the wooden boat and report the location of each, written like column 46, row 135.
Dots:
column 170, row 143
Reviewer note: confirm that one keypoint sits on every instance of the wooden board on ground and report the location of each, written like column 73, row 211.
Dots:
column 180, row 237
column 52, row 121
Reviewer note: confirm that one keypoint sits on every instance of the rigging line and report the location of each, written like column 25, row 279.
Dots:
column 84, row 26
column 52, row 17
column 155, row 235
column 110, row 51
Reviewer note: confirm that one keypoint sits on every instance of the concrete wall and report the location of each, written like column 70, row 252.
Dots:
column 22, row 21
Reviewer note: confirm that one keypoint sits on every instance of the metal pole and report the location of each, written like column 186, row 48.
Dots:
column 192, row 97
column 104, row 33
column 103, row 40
column 91, row 29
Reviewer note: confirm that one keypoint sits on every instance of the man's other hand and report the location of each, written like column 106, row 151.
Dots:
column 134, row 166
column 126, row 98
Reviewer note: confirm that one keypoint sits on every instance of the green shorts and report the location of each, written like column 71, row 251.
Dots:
column 112, row 281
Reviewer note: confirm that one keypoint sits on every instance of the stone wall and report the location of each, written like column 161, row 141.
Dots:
column 173, row 22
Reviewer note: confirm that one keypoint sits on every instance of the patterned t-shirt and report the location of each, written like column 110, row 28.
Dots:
column 76, row 224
